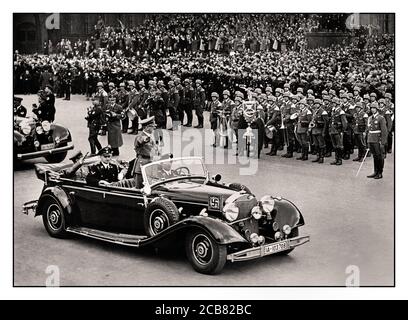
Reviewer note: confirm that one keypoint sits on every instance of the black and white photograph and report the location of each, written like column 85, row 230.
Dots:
column 203, row 149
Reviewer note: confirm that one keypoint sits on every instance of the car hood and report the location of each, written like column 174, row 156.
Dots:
column 195, row 192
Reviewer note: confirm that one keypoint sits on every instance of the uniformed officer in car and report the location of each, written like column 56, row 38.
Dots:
column 106, row 171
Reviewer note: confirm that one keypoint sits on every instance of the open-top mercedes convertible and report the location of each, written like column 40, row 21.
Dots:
column 179, row 200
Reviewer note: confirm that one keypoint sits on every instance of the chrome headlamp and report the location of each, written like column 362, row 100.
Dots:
column 287, row 229
column 25, row 127
column 267, row 203
column 230, row 211
column 256, row 212
column 46, row 125
column 57, row 140
column 39, row 130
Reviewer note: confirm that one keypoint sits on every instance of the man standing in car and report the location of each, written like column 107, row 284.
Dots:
column 146, row 149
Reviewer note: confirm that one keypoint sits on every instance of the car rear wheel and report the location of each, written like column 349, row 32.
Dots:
column 53, row 218
column 293, row 234
column 205, row 255
column 160, row 214
column 56, row 157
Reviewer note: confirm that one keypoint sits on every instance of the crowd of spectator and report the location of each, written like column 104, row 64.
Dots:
column 223, row 50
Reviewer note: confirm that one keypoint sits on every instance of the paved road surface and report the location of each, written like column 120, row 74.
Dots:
column 350, row 221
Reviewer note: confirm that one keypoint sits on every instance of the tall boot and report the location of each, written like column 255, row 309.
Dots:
column 339, row 161
column 321, row 155
column 359, row 156
column 273, row 151
column 336, row 155
column 380, row 166
column 302, row 156
column 305, row 153
column 375, row 169
column 313, row 150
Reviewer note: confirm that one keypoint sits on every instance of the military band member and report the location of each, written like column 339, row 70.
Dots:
column 235, row 115
column 199, row 103
column 274, row 122
column 377, row 133
column 187, row 102
column 288, row 109
column 19, row 109
column 318, row 127
column 112, row 90
column 102, row 98
column 357, row 97
column 327, row 106
column 174, row 101
column 131, row 111
column 123, row 100
column 366, row 103
column 146, row 149
column 104, row 172
column 390, row 107
column 310, row 104
column 94, row 118
column 215, row 109
column 269, row 92
column 299, row 92
column 302, row 126
column 165, row 97
column 113, row 115
column 387, row 114
column 336, row 130
column 348, row 143
column 227, row 106
column 180, row 89
column 359, row 126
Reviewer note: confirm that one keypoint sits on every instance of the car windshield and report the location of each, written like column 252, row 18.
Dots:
column 170, row 169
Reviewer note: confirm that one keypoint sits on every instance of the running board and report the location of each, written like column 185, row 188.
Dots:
column 118, row 238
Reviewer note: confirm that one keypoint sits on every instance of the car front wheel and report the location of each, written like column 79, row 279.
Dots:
column 205, row 255
column 160, row 214
column 53, row 218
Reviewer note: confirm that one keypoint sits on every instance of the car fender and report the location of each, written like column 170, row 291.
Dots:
column 57, row 193
column 287, row 213
column 60, row 131
column 222, row 232
column 18, row 138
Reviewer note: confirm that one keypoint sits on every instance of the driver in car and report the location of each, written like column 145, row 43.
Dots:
column 165, row 172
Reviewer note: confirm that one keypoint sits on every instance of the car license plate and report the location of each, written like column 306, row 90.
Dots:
column 277, row 247
column 47, row 146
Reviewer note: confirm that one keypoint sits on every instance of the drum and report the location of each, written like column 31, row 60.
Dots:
column 294, row 116
column 269, row 130
column 131, row 114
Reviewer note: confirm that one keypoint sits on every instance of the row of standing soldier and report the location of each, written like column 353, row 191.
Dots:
column 337, row 124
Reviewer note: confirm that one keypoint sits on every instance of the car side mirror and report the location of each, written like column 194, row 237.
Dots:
column 216, row 177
